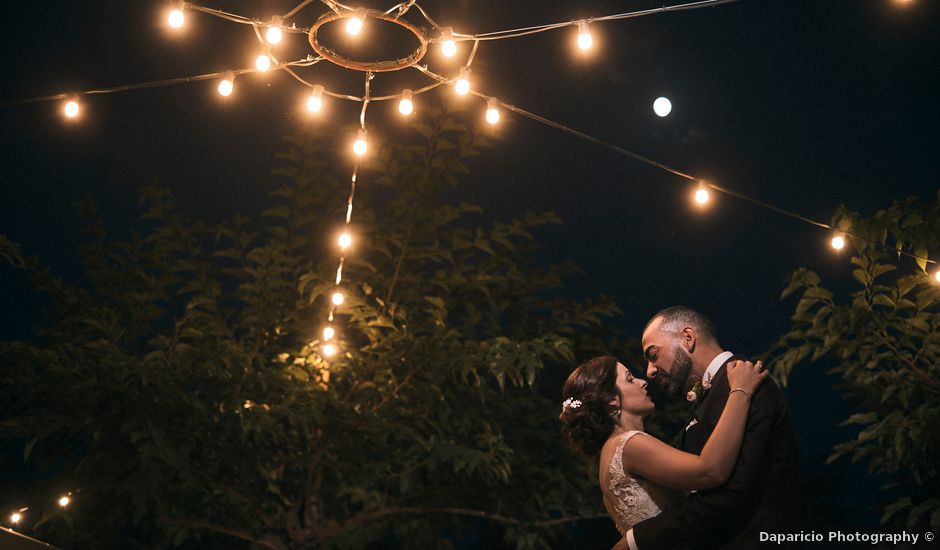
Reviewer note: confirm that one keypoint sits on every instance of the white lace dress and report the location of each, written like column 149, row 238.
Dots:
column 630, row 500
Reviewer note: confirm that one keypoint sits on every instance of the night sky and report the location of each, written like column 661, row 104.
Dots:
column 806, row 104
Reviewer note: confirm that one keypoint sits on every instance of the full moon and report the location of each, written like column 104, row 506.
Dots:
column 662, row 106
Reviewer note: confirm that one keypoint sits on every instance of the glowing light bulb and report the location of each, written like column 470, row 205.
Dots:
column 337, row 298
column 448, row 46
column 406, row 105
column 492, row 112
column 585, row 40
column 328, row 333
column 71, row 108
column 838, row 242
column 176, row 17
column 315, row 101
column 345, row 240
column 662, row 106
column 359, row 147
column 462, row 86
column 937, row 275
column 702, row 196
column 274, row 34
column 16, row 517
column 227, row 84
column 64, row 501
column 263, row 62
column 329, row 350
column 354, row 25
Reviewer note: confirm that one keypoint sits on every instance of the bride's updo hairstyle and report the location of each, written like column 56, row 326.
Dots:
column 588, row 424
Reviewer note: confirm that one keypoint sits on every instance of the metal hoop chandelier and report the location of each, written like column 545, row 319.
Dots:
column 369, row 66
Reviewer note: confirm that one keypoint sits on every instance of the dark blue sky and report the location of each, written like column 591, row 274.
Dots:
column 803, row 103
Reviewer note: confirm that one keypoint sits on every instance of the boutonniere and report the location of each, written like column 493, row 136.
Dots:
column 695, row 392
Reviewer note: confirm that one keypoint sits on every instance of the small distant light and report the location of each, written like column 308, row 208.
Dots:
column 448, row 46
column 492, row 111
column 360, row 146
column 462, row 86
column 406, row 105
column 936, row 276
column 227, row 84
column 328, row 333
column 345, row 240
column 662, row 106
column 354, row 25
column 838, row 242
column 16, row 517
column 71, row 108
column 64, row 501
column 263, row 62
column 585, row 40
column 315, row 101
column 338, row 298
column 274, row 34
column 702, row 196
column 329, row 350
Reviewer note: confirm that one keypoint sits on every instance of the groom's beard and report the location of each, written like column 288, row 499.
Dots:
column 674, row 381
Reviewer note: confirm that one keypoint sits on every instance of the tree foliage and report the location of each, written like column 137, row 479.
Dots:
column 884, row 339
column 181, row 396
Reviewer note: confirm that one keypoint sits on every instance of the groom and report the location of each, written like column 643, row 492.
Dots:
column 683, row 354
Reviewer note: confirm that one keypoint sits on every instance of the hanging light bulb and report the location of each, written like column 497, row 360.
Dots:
column 354, row 25
column 328, row 333
column 359, row 146
column 227, row 84
column 662, row 107
column 406, row 105
column 16, row 517
column 64, row 501
column 937, row 275
column 838, row 242
column 448, row 46
column 71, row 108
column 176, row 18
column 492, row 111
column 315, row 101
column 273, row 35
column 462, row 86
column 263, row 62
column 585, row 40
column 329, row 350
column 345, row 241
column 338, row 298
column 702, row 196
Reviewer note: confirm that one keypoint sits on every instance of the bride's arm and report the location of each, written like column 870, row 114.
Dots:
column 665, row 465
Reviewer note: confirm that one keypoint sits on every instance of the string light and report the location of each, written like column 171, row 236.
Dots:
column 227, row 84
column 274, row 34
column 448, row 46
column 176, row 18
column 462, row 86
column 585, row 40
column 329, row 350
column 359, row 146
column 263, row 62
column 64, row 500
column 492, row 112
column 315, row 101
column 662, row 107
column 937, row 275
column 71, row 108
column 345, row 241
column 15, row 517
column 406, row 105
column 354, row 25
column 337, row 298
column 838, row 242
column 702, row 196
column 328, row 333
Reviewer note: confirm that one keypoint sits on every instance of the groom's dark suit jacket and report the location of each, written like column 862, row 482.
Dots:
column 762, row 492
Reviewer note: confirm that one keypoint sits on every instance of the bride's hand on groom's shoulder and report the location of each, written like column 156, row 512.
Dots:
column 621, row 544
column 746, row 375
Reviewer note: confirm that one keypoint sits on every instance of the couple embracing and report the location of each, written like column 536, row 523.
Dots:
column 736, row 472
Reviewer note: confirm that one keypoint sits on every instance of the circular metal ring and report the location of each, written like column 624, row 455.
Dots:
column 368, row 66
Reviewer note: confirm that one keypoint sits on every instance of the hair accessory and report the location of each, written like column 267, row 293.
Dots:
column 570, row 404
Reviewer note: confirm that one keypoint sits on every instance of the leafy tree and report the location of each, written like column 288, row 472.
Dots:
column 884, row 339
column 181, row 395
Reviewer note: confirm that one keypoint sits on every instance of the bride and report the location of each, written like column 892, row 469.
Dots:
column 602, row 416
